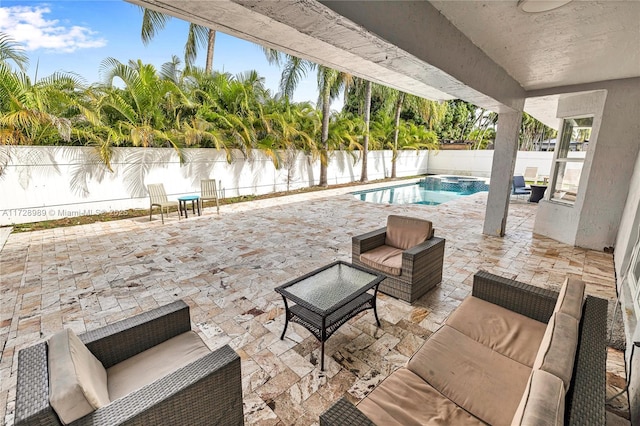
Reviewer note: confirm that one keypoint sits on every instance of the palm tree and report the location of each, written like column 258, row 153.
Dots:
column 330, row 83
column 36, row 113
column 344, row 132
column 367, row 123
column 360, row 93
column 430, row 112
column 10, row 51
column 532, row 131
column 142, row 112
column 198, row 36
column 289, row 128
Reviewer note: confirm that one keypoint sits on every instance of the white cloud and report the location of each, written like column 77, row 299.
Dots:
column 28, row 26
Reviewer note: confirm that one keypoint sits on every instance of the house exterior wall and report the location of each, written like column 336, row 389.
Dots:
column 628, row 232
column 625, row 239
column 558, row 220
column 611, row 166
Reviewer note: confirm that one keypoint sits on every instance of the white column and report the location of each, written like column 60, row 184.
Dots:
column 504, row 161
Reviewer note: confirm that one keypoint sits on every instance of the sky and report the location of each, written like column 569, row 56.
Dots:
column 77, row 35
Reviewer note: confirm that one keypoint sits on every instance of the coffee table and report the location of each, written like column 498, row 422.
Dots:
column 328, row 297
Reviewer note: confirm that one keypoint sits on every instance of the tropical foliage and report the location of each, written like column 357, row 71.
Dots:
column 179, row 107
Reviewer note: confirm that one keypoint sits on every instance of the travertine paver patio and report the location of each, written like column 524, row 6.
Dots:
column 226, row 267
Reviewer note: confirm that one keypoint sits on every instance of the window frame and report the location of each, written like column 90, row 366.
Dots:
column 562, row 159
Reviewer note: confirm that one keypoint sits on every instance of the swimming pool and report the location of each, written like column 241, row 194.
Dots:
column 429, row 191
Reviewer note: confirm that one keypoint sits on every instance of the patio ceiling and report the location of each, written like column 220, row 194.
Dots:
column 581, row 42
column 486, row 52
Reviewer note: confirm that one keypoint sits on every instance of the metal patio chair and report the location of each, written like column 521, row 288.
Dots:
column 519, row 186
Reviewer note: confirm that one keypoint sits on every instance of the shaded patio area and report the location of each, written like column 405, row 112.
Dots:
column 226, row 267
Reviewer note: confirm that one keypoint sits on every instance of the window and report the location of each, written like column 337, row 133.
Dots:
column 567, row 168
column 633, row 276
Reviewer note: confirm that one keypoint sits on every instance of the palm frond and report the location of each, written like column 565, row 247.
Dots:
column 10, row 50
column 152, row 23
column 197, row 37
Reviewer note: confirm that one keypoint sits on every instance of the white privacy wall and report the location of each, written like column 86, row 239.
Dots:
column 478, row 162
column 44, row 183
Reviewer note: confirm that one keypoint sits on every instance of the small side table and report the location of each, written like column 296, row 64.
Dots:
column 182, row 202
column 537, row 192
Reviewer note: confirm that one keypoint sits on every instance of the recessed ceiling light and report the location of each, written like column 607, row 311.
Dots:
column 537, row 6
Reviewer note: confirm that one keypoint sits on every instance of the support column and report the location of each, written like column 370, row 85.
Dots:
column 504, row 162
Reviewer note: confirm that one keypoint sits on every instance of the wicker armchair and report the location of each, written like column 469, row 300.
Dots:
column 205, row 392
column 421, row 264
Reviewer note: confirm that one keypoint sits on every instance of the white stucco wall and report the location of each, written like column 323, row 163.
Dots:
column 611, row 166
column 628, row 232
column 44, row 183
column 479, row 162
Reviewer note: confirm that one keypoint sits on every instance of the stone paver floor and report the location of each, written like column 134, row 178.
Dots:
column 226, row 267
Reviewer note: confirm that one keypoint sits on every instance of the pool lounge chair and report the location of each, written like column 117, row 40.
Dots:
column 531, row 174
column 519, row 186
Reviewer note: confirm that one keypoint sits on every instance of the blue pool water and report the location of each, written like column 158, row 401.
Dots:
column 431, row 191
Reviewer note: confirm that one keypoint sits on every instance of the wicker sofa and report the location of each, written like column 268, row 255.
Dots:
column 206, row 391
column 406, row 252
column 505, row 356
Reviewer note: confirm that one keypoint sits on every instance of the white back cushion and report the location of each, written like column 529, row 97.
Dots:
column 77, row 379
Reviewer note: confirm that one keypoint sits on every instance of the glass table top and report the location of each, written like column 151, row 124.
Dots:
column 328, row 287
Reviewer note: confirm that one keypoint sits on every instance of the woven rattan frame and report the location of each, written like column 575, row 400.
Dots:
column 421, row 265
column 206, row 392
column 585, row 401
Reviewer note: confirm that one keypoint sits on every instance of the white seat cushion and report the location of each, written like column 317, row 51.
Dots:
column 155, row 363
column 77, row 379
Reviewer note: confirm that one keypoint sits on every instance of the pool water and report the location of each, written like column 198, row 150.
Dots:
column 416, row 194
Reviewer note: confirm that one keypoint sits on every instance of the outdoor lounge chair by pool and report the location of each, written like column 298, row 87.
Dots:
column 158, row 197
column 519, row 186
column 406, row 252
column 531, row 174
column 209, row 191
column 151, row 369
